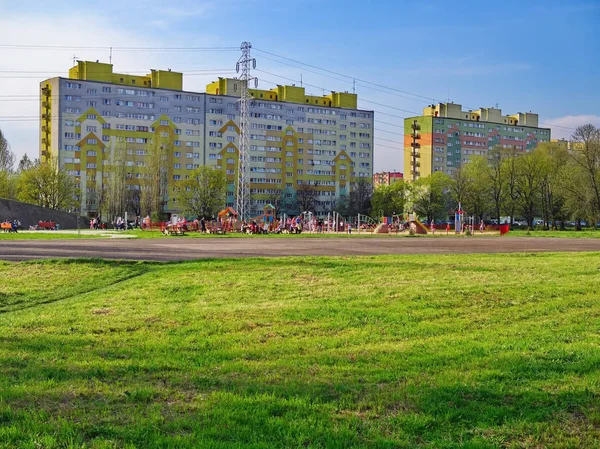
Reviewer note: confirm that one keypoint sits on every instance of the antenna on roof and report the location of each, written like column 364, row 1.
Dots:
column 301, row 80
column 75, row 58
column 110, row 56
column 354, row 86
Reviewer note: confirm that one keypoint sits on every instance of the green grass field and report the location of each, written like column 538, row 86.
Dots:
column 478, row 351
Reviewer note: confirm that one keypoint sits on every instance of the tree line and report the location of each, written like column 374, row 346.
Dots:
column 31, row 181
column 556, row 181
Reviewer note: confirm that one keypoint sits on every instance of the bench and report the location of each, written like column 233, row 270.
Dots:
column 46, row 225
column 215, row 230
column 173, row 229
column 152, row 226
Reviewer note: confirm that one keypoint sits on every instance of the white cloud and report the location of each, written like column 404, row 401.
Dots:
column 563, row 127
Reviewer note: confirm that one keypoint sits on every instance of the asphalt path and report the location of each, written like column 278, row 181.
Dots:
column 174, row 249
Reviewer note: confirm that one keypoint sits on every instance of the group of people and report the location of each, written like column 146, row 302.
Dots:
column 11, row 226
column 96, row 223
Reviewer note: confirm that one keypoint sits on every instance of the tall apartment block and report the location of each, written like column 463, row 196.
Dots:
column 446, row 136
column 297, row 140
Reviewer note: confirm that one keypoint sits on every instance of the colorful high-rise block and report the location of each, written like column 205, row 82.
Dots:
column 445, row 136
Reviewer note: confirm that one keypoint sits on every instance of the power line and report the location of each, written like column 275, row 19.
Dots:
column 186, row 71
column 345, row 76
column 353, row 82
column 108, row 47
column 220, row 72
column 433, row 99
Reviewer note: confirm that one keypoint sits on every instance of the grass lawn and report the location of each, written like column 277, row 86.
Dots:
column 478, row 351
column 587, row 234
column 34, row 235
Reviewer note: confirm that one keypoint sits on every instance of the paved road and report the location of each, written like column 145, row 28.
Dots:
column 170, row 249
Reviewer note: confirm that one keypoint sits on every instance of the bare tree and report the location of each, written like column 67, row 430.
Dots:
column 156, row 181
column 497, row 179
column 113, row 201
column 510, row 167
column 25, row 163
column 585, row 152
column 306, row 196
column 360, row 197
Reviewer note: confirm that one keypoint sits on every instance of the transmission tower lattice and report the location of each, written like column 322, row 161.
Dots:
column 243, row 67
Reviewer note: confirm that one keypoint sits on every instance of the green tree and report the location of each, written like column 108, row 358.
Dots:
column 8, row 185
column 203, row 194
column 528, row 185
column 477, row 196
column 47, row 186
column 7, row 157
column 431, row 195
column 578, row 198
column 554, row 160
column 390, row 199
column 459, row 186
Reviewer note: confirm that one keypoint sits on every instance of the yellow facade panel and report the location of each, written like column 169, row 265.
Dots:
column 166, row 79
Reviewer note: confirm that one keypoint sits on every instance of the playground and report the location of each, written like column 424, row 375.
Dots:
column 228, row 221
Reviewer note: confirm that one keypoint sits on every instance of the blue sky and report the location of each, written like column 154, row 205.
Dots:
column 539, row 56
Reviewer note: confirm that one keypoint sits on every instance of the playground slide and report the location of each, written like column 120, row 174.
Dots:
column 421, row 229
column 383, row 228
